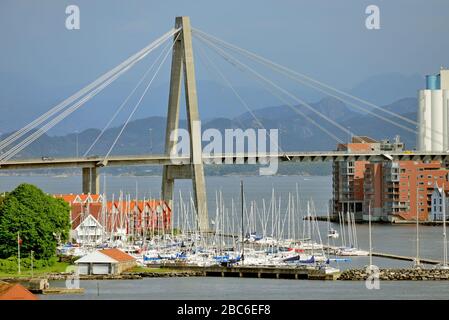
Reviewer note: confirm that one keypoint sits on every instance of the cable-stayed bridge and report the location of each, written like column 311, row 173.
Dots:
column 183, row 72
column 222, row 158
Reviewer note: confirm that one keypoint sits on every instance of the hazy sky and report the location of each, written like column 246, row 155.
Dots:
column 325, row 39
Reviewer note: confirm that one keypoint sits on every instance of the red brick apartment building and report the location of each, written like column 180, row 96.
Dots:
column 392, row 189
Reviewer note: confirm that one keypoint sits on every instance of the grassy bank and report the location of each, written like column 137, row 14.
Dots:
column 57, row 267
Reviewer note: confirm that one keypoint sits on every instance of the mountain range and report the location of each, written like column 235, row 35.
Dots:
column 22, row 101
column 296, row 133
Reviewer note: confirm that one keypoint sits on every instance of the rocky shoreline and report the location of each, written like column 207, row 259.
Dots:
column 397, row 274
column 347, row 275
column 129, row 275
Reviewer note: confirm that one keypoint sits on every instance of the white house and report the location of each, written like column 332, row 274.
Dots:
column 89, row 231
column 439, row 199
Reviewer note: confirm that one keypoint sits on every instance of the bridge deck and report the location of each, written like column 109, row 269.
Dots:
column 161, row 159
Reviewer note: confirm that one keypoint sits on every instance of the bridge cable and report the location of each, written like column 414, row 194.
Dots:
column 125, row 102
column 284, row 71
column 294, row 109
column 30, row 139
column 228, row 57
column 140, row 99
column 38, row 133
column 239, row 97
column 265, row 61
column 137, row 56
column 294, row 75
column 395, row 123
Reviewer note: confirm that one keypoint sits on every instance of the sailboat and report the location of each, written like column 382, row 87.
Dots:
column 333, row 234
column 352, row 249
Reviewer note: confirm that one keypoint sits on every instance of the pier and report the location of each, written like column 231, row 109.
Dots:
column 259, row 272
column 390, row 256
column 405, row 258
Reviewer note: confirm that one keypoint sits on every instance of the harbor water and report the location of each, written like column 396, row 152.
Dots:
column 397, row 239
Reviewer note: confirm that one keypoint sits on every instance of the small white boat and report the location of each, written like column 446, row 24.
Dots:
column 351, row 252
column 333, row 234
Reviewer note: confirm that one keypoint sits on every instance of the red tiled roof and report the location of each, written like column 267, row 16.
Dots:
column 117, row 254
column 78, row 209
column 83, row 197
column 15, row 291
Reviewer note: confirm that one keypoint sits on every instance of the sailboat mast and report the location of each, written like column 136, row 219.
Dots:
column 370, row 243
column 243, row 234
column 444, row 229
column 417, row 263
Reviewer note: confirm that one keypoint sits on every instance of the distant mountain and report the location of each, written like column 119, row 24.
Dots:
column 386, row 88
column 329, row 107
column 22, row 101
column 295, row 132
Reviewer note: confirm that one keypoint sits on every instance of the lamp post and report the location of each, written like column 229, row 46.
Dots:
column 19, row 242
column 243, row 229
column 32, row 256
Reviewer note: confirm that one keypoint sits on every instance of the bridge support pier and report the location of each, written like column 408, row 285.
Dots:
column 182, row 65
column 91, row 181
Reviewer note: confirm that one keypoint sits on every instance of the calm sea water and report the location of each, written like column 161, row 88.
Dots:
column 247, row 288
column 399, row 239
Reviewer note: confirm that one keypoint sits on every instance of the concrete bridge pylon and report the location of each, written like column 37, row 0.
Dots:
column 182, row 68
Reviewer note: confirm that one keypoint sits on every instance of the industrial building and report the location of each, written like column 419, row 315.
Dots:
column 433, row 113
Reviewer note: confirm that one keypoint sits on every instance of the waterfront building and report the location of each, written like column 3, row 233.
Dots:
column 439, row 199
column 392, row 190
column 89, row 231
column 349, row 176
column 395, row 190
column 107, row 261
column 93, row 219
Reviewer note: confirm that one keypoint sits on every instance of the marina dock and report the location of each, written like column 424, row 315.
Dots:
column 405, row 258
column 391, row 256
column 260, row 272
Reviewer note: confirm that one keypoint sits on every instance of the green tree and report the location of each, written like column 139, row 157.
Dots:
column 38, row 217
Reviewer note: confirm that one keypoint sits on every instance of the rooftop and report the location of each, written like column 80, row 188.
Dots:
column 117, row 255
column 15, row 291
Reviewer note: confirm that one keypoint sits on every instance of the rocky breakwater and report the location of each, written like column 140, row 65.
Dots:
column 128, row 275
column 412, row 274
column 167, row 274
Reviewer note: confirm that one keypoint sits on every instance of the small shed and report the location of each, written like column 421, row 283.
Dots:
column 105, row 262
